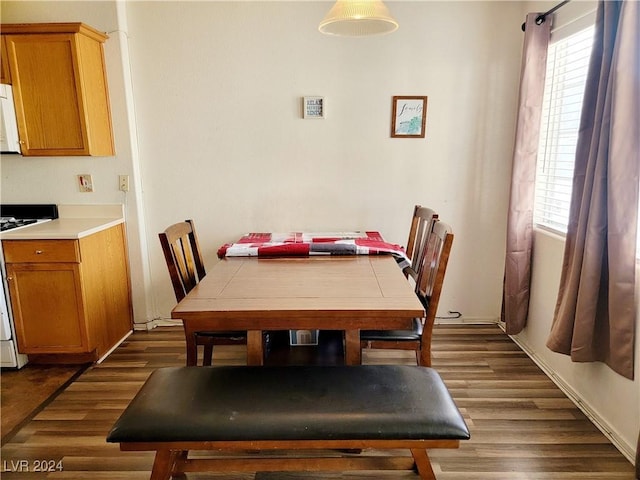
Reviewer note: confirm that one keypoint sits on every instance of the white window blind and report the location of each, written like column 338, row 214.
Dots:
column 567, row 64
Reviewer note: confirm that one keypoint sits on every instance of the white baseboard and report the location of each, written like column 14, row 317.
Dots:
column 101, row 359
column 157, row 322
column 462, row 320
column 169, row 322
column 629, row 451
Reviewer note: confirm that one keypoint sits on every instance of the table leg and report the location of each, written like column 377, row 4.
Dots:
column 352, row 351
column 255, row 353
column 192, row 348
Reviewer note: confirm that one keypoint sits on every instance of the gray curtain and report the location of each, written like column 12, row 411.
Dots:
column 517, row 272
column 595, row 314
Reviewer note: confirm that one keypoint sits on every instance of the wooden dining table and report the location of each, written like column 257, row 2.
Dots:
column 331, row 292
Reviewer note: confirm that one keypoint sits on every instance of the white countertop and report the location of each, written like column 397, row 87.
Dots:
column 76, row 221
column 61, row 229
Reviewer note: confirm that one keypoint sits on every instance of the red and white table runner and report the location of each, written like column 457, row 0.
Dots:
column 313, row 243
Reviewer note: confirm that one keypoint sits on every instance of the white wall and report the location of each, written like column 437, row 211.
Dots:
column 611, row 399
column 217, row 89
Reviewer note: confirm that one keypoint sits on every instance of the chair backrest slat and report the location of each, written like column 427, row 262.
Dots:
column 421, row 225
column 433, row 266
column 182, row 254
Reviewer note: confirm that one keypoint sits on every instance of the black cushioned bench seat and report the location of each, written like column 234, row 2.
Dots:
column 278, row 408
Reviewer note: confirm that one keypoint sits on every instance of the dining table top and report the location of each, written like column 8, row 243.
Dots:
column 313, row 286
column 325, row 292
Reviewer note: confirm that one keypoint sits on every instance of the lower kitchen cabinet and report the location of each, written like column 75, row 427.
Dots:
column 71, row 299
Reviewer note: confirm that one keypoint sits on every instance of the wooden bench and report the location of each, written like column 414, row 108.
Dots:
column 319, row 413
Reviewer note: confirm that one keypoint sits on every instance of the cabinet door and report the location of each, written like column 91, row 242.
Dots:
column 60, row 92
column 47, row 304
column 5, row 73
column 45, row 88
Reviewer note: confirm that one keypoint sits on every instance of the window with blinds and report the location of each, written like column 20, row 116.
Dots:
column 567, row 65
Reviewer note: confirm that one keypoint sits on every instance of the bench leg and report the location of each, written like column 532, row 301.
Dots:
column 423, row 464
column 179, row 463
column 168, row 463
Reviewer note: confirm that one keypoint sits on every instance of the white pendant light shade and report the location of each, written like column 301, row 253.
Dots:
column 358, row 18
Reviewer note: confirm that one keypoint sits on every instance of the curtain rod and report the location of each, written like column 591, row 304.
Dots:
column 541, row 18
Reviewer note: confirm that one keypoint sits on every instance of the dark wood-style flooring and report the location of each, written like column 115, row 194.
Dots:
column 25, row 392
column 522, row 425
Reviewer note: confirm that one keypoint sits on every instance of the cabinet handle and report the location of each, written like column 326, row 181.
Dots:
column 39, row 252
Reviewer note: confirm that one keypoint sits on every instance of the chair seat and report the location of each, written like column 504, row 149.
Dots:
column 223, row 334
column 394, row 335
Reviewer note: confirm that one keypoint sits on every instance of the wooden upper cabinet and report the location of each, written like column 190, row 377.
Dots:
column 5, row 75
column 60, row 88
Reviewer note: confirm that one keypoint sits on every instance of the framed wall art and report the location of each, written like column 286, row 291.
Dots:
column 313, row 107
column 409, row 117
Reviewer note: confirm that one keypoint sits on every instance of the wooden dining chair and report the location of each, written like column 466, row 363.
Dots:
column 186, row 268
column 432, row 267
column 421, row 224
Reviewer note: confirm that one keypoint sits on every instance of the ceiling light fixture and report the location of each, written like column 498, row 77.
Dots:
column 358, row 18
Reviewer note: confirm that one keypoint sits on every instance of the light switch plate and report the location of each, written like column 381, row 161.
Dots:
column 85, row 182
column 123, row 183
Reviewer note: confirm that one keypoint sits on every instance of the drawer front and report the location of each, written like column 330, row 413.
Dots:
column 41, row 251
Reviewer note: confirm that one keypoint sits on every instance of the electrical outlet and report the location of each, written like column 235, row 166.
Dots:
column 123, row 183
column 85, row 183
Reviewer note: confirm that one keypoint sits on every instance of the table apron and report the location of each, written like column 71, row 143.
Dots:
column 200, row 321
column 255, row 353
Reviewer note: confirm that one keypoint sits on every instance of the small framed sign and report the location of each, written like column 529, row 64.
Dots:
column 409, row 117
column 313, row 107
